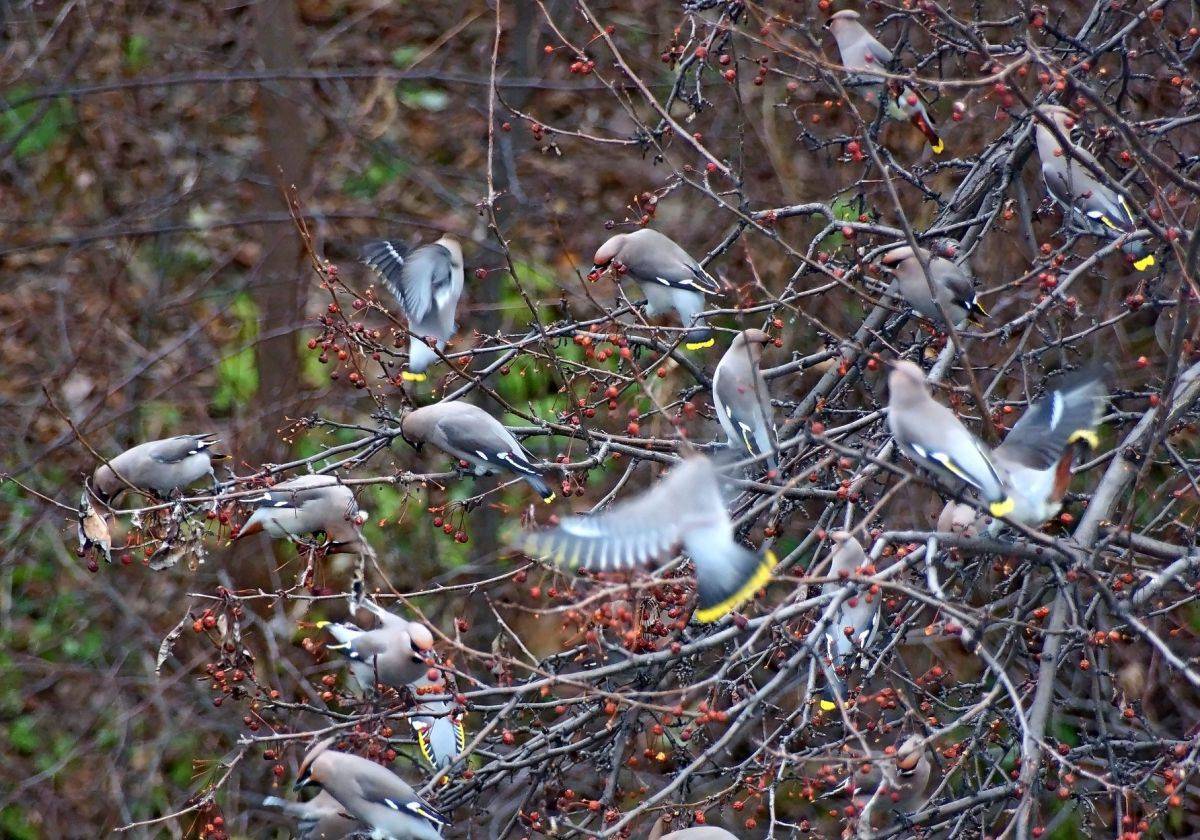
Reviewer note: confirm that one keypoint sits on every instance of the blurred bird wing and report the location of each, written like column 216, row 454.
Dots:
column 639, row 530
column 1069, row 413
column 418, row 279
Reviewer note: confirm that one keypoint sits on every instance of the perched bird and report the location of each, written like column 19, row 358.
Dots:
column 698, row 832
column 955, row 290
column 1035, row 459
column 471, row 434
column 428, row 281
column 159, row 466
column 371, row 794
column 667, row 274
column 900, row 778
column 865, row 59
column 305, row 505
column 962, row 519
column 393, row 653
column 929, row 434
column 684, row 507
column 1094, row 207
column 855, row 623
column 93, row 528
column 439, row 728
column 742, row 400
column 320, row 818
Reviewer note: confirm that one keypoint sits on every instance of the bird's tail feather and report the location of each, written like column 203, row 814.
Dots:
column 748, row 573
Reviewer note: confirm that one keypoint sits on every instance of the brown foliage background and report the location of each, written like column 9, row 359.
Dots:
column 155, row 283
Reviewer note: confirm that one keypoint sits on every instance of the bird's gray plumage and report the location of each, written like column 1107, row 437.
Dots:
column 955, row 290
column 160, row 466
column 393, row 653
column 320, row 818
column 670, row 278
column 741, row 398
column 371, row 794
column 685, row 508
column 865, row 59
column 933, row 437
column 427, row 281
column 699, row 832
column 1035, row 459
column 853, row 626
column 903, row 777
column 304, row 505
column 470, row 434
column 1091, row 205
column 439, row 728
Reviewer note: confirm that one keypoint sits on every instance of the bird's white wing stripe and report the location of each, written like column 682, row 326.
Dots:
column 1056, row 409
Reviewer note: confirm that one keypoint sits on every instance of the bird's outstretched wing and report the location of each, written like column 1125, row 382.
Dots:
column 1070, row 412
column 639, row 530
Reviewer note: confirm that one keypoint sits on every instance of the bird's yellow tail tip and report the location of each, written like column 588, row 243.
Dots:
column 827, row 706
column 756, row 581
column 410, row 376
column 1002, row 508
column 938, row 146
column 550, row 498
column 1087, row 436
column 700, row 345
column 1144, row 263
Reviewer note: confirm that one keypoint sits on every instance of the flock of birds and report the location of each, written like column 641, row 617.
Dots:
column 1021, row 481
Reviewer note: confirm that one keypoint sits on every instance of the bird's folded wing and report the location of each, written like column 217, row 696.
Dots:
column 488, row 443
column 175, row 449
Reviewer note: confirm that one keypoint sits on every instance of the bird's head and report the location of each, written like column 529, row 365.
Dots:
column 420, row 640
column 845, row 17
column 605, row 255
column 312, row 768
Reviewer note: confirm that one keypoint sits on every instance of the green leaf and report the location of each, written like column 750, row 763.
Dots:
column 377, row 174
column 402, row 57
column 237, row 373
column 41, row 135
column 425, row 99
column 24, row 735
column 137, row 52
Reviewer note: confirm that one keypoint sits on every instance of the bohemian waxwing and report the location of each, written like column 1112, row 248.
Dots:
column 427, row 282
column 320, row 818
column 902, row 776
column 470, row 434
column 394, row 652
column 667, row 274
column 864, row 58
column 305, row 505
column 699, row 832
column 371, row 794
column 929, row 434
column 159, row 466
column 854, row 625
column 955, row 290
column 1035, row 459
column 439, row 727
column 1091, row 205
column 742, row 400
column 685, row 507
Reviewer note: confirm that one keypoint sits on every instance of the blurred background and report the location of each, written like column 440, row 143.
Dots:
column 154, row 283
